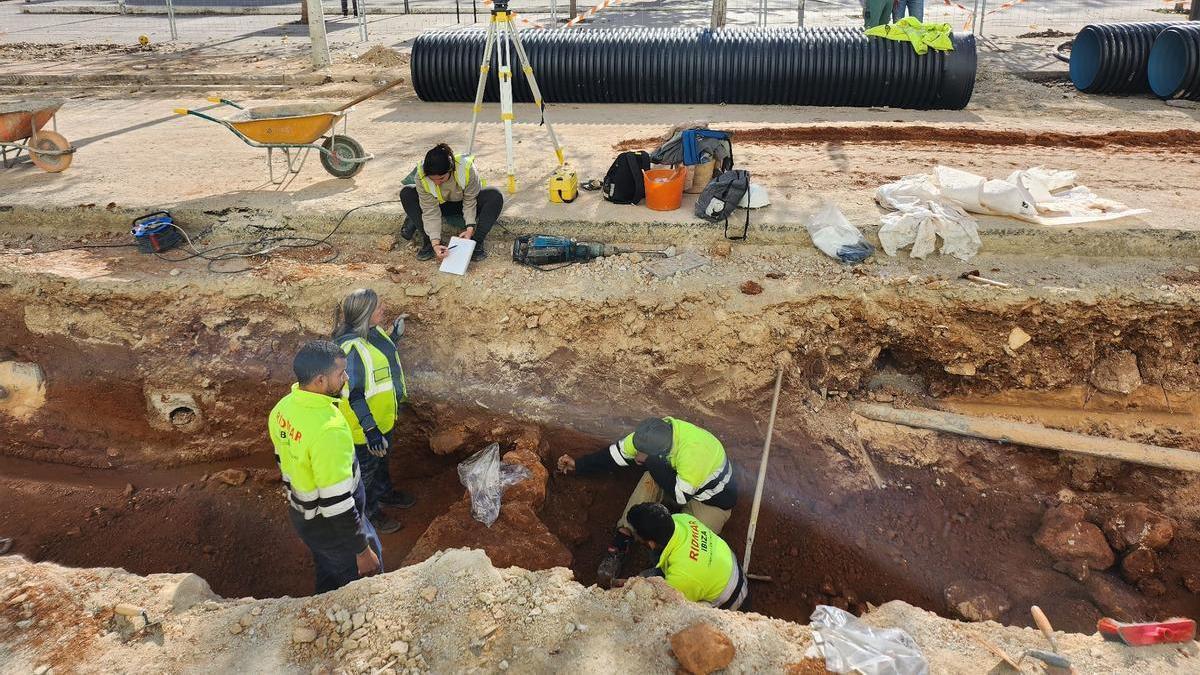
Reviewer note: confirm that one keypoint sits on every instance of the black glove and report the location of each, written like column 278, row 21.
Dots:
column 376, row 443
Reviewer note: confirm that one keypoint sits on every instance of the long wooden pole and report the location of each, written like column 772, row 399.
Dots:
column 1034, row 435
column 373, row 92
column 762, row 473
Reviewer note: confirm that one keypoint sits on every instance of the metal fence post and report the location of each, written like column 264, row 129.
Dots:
column 1194, row 15
column 171, row 19
column 982, row 13
column 800, row 13
column 316, row 34
column 362, row 19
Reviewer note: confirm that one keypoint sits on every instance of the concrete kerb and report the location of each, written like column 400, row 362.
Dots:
column 999, row 235
column 151, row 77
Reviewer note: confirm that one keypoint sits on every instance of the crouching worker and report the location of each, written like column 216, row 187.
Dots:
column 684, row 464
column 692, row 559
column 315, row 452
column 444, row 186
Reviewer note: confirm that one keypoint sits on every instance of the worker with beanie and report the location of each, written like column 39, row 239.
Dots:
column 445, row 185
column 684, row 464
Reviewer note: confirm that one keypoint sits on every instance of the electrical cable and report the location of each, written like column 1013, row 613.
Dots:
column 262, row 246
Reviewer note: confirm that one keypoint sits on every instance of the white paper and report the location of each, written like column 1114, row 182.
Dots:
column 460, row 256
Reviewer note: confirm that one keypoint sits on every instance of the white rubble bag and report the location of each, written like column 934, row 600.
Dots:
column 851, row 646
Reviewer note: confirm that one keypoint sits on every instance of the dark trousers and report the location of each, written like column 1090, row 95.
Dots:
column 489, row 203
column 336, row 563
column 345, row 9
column 376, row 476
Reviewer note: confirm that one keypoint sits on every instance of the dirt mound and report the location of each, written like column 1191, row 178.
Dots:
column 385, row 57
column 454, row 612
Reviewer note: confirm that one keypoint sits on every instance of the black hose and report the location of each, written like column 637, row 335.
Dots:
column 1111, row 58
column 757, row 66
column 1174, row 65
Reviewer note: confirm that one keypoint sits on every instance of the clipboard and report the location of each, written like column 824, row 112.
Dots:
column 460, row 256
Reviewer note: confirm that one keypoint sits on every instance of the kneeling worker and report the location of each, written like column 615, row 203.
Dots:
column 693, row 559
column 315, row 452
column 682, row 461
column 446, row 184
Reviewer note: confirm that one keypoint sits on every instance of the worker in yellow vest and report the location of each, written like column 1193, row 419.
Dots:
column 447, row 185
column 684, row 464
column 315, row 453
column 375, row 389
column 692, row 558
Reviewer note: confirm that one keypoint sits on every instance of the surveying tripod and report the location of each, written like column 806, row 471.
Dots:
column 501, row 29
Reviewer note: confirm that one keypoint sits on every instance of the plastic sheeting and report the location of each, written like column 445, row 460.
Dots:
column 936, row 206
column 851, row 646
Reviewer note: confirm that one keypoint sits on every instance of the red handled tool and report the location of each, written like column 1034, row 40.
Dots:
column 1149, row 633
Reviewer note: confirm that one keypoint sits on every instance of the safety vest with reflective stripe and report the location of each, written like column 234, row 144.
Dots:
column 701, row 468
column 698, row 563
column 379, row 387
column 462, row 176
column 315, row 452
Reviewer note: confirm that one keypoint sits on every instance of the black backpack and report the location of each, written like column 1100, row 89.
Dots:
column 624, row 183
column 729, row 187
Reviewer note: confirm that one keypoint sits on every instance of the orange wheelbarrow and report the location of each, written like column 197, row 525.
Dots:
column 21, row 129
column 295, row 127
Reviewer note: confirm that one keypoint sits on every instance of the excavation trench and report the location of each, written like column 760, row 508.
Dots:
column 133, row 426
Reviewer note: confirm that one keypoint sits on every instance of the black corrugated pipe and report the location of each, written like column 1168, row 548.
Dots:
column 781, row 66
column 1174, row 69
column 1111, row 58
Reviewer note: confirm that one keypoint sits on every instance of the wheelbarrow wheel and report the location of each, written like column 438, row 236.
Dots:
column 53, row 142
column 342, row 156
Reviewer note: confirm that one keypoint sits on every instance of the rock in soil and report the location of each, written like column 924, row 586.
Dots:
column 977, row 600
column 1066, row 536
column 1114, row 598
column 1139, row 564
column 702, row 649
column 231, row 476
column 1139, row 525
column 1117, row 374
column 751, row 287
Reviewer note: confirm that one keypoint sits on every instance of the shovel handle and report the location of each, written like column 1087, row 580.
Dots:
column 373, row 92
column 1043, row 624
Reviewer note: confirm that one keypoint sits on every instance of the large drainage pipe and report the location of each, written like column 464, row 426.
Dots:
column 1111, row 58
column 1174, row 68
column 783, row 66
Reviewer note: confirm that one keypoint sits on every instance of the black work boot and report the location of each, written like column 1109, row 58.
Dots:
column 408, row 229
column 426, row 251
column 612, row 562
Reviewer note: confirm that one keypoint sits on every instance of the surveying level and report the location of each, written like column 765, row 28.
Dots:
column 501, row 29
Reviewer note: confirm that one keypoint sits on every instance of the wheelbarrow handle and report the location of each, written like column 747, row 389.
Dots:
column 224, row 101
column 186, row 111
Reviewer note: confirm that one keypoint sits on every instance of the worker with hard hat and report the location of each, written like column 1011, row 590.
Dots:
column 315, row 452
column 684, row 464
column 446, row 185
column 692, row 558
column 371, row 400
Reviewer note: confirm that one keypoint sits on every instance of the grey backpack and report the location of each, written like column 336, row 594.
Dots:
column 721, row 196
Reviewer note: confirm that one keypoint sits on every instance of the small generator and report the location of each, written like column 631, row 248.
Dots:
column 155, row 232
column 564, row 185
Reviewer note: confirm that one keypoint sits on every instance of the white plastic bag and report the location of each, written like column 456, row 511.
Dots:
column 849, row 645
column 485, row 478
column 836, row 237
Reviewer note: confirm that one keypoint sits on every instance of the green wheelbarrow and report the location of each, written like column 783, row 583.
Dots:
column 294, row 127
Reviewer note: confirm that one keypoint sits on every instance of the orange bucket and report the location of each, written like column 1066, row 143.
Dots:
column 664, row 188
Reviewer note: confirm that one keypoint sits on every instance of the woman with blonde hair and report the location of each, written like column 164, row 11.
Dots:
column 446, row 185
column 371, row 400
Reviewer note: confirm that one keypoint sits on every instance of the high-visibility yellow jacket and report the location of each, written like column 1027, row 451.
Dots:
column 315, row 453
column 375, row 385
column 696, row 467
column 699, row 564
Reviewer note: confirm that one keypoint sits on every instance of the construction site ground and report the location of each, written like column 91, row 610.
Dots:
column 101, row 475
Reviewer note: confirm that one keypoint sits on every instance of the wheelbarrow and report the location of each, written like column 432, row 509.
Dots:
column 294, row 127
column 21, row 129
